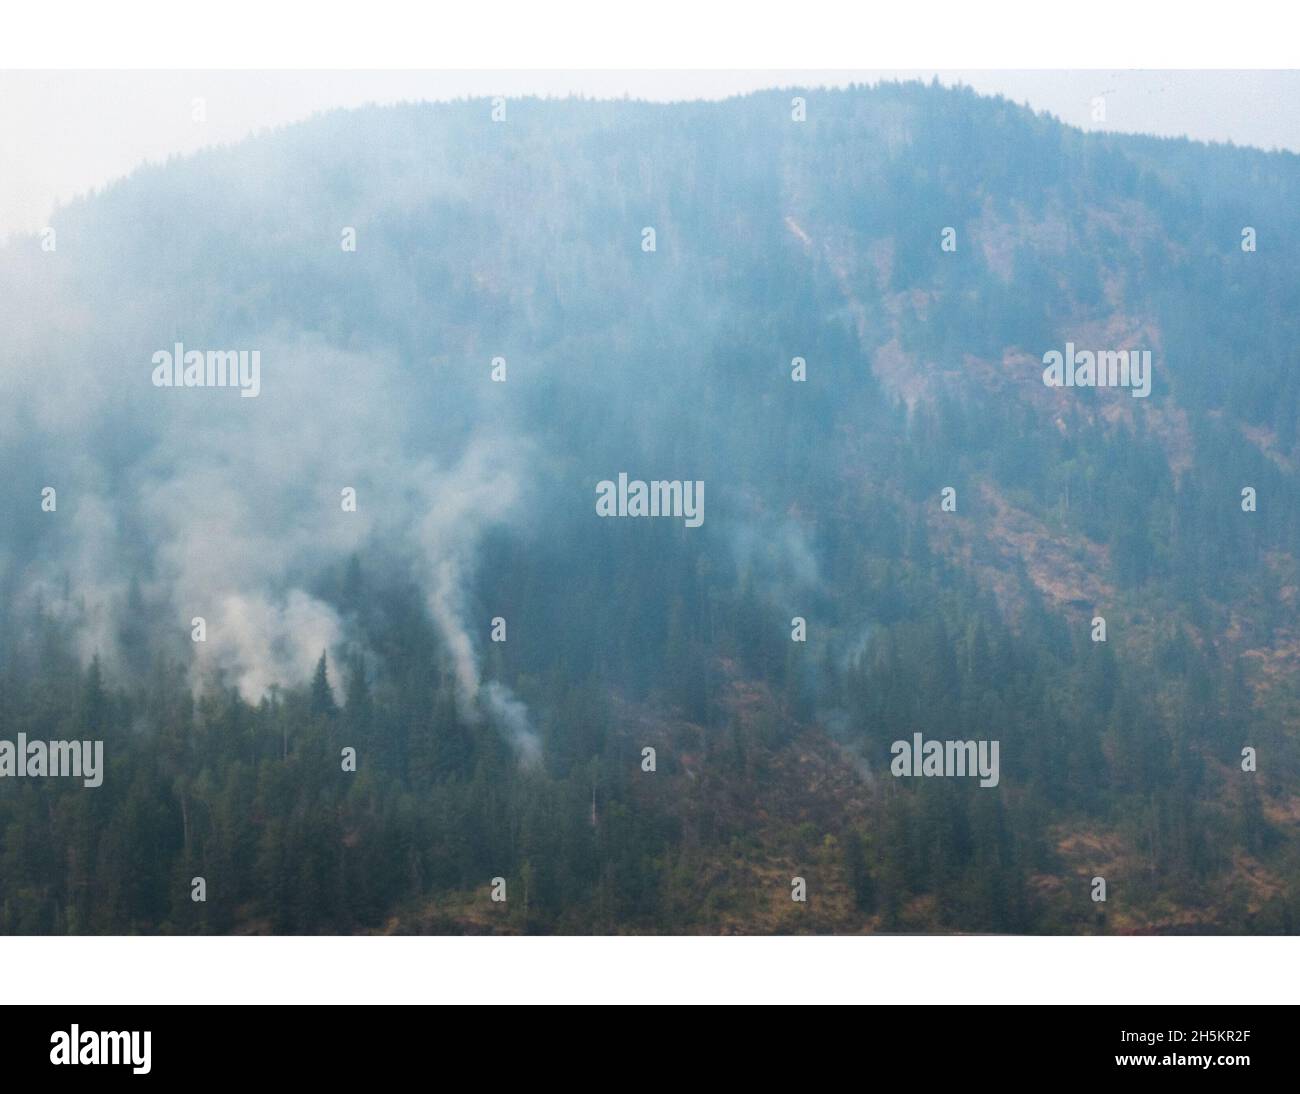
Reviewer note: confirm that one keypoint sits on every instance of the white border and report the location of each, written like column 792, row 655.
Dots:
column 711, row 34
column 576, row 34
column 969, row 970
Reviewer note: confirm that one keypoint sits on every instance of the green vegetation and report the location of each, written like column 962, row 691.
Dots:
column 1120, row 759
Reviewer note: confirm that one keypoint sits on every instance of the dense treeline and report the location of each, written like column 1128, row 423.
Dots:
column 775, row 240
column 254, row 798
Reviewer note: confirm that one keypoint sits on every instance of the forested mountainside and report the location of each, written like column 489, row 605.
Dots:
column 503, row 336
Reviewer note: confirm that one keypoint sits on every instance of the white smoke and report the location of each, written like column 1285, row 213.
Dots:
column 480, row 490
column 224, row 507
column 239, row 500
column 775, row 557
column 260, row 644
column 509, row 715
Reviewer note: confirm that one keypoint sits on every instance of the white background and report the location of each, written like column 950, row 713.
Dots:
column 888, row 970
column 505, row 34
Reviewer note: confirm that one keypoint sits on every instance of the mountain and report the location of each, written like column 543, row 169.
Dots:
column 835, row 337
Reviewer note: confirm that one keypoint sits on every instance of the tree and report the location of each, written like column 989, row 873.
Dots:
column 322, row 698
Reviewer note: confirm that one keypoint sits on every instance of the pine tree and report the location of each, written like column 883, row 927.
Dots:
column 322, row 699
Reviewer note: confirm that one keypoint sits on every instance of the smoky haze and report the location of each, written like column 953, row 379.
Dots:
column 475, row 240
column 828, row 312
column 63, row 134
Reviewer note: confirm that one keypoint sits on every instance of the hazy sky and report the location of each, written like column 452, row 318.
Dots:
column 64, row 133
